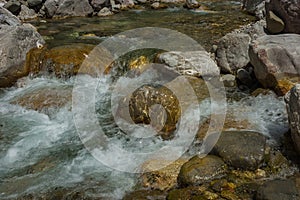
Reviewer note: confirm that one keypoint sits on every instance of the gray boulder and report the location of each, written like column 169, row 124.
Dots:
column 288, row 11
column 292, row 99
column 276, row 61
column 232, row 52
column 27, row 13
column 255, row 7
column 193, row 63
column 7, row 18
column 70, row 8
column 16, row 40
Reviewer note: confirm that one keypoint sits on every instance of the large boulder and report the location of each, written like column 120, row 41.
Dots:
column 292, row 99
column 232, row 52
column 276, row 61
column 16, row 40
column 288, row 11
column 7, row 18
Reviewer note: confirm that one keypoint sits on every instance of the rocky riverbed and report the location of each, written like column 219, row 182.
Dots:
column 224, row 118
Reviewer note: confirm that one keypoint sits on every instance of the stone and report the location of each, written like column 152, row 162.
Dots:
column 45, row 100
column 71, row 8
column 99, row 4
column 192, row 4
column 15, row 42
column 104, row 12
column 145, row 195
column 13, row 6
column 228, row 80
column 50, row 7
column 292, row 99
column 157, row 5
column 255, row 7
column 27, row 13
column 276, row 61
column 144, row 103
column 288, row 11
column 245, row 77
column 274, row 23
column 7, row 18
column 191, row 192
column 163, row 179
column 200, row 170
column 192, row 63
column 34, row 3
column 232, row 52
column 278, row 190
column 63, row 61
column 241, row 149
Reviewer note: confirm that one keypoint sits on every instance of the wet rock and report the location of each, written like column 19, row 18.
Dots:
column 13, row 6
column 192, row 4
column 255, row 7
column 62, row 61
column 104, row 12
column 276, row 61
column 145, row 195
column 157, row 106
column 193, row 63
column 200, row 170
column 162, row 179
column 278, row 190
column 45, row 100
column 71, row 8
column 191, row 192
column 241, row 149
column 7, row 18
column 232, row 52
column 15, row 42
column 274, row 23
column 288, row 11
column 27, row 13
column 292, row 99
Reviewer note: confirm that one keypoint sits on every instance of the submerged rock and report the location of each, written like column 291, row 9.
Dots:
column 276, row 61
column 145, row 195
column 200, row 170
column 279, row 190
column 292, row 99
column 241, row 149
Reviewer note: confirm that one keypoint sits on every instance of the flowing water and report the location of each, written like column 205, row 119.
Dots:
column 41, row 152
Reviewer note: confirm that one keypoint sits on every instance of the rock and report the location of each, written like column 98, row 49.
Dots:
column 254, row 30
column 99, row 4
column 13, row 6
column 232, row 52
column 157, row 5
column 292, row 99
column 27, row 13
column 45, row 100
column 34, row 3
column 274, row 23
column 144, row 109
column 63, row 61
column 7, row 18
column 15, row 42
column 145, row 195
column 241, row 149
column 191, row 192
column 200, row 170
column 71, row 8
column 50, row 7
column 288, row 11
column 255, row 7
column 104, row 12
column 278, row 190
column 192, row 63
column 245, row 77
column 162, row 179
column 276, row 61
column 228, row 80
column 192, row 4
